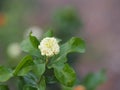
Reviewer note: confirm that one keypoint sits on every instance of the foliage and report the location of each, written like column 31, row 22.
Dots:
column 35, row 71
column 91, row 81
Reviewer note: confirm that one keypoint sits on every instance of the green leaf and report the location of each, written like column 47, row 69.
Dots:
column 24, row 66
column 42, row 84
column 34, row 41
column 5, row 74
column 30, row 79
column 73, row 45
column 65, row 74
column 24, row 71
column 27, row 47
column 91, row 81
column 38, row 69
column 4, row 87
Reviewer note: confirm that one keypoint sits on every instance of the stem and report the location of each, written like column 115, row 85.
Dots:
column 47, row 60
column 42, row 76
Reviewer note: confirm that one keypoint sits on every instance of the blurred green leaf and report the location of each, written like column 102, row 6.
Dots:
column 4, row 87
column 65, row 74
column 34, row 41
column 5, row 74
column 67, row 18
column 92, row 81
column 24, row 66
column 67, row 23
column 42, row 84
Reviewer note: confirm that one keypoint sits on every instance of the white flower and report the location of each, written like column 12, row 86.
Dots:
column 14, row 50
column 49, row 46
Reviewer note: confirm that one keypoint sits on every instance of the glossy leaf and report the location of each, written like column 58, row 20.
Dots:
column 24, row 66
column 91, row 81
column 65, row 74
column 73, row 45
column 5, row 74
column 34, row 41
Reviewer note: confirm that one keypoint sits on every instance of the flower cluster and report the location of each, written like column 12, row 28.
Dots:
column 49, row 46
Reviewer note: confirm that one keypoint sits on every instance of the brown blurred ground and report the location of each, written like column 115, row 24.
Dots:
column 101, row 31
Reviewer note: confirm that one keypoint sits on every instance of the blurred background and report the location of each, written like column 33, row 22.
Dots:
column 96, row 21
